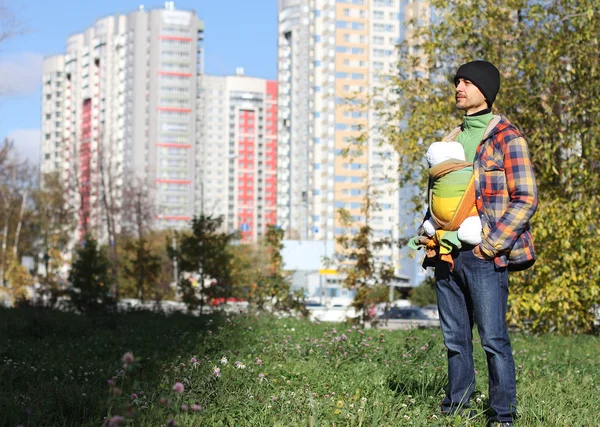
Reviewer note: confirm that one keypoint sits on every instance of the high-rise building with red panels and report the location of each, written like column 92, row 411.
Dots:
column 85, row 172
column 120, row 108
column 270, row 156
column 247, row 135
column 238, row 153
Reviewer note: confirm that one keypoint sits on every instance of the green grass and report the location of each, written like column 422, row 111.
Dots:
column 54, row 369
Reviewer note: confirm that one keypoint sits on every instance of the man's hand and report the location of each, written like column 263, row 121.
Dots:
column 479, row 254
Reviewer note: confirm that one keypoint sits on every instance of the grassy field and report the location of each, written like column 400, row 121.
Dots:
column 68, row 370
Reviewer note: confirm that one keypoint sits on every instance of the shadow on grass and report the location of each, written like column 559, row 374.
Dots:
column 54, row 366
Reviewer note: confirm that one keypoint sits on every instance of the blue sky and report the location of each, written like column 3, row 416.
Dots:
column 238, row 33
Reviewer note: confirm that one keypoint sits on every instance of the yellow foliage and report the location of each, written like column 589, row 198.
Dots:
column 547, row 53
column 560, row 291
column 18, row 279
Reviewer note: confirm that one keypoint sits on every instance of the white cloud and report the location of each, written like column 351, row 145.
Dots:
column 27, row 143
column 20, row 74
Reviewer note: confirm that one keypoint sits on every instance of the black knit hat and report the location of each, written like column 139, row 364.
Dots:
column 482, row 74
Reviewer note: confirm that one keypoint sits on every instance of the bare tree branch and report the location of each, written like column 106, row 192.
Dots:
column 8, row 24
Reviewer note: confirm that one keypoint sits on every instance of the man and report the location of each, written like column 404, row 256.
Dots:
column 475, row 288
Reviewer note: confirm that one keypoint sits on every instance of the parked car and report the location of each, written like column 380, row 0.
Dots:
column 431, row 311
column 313, row 304
column 215, row 302
column 399, row 303
column 412, row 313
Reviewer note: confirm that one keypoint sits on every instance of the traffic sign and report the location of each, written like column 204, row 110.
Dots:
column 245, row 227
column 315, row 230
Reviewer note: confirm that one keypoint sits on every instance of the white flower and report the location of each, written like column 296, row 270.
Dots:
column 240, row 365
column 216, row 372
column 223, row 360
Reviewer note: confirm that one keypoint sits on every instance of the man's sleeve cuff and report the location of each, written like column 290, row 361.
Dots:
column 487, row 250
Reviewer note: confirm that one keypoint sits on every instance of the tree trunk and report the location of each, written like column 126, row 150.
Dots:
column 141, row 271
column 109, row 210
column 19, row 224
column 202, row 255
column 4, row 244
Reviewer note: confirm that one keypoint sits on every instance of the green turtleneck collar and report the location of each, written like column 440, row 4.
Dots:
column 472, row 132
column 477, row 121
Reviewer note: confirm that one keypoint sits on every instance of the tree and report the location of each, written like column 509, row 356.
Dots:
column 8, row 24
column 18, row 280
column 89, row 277
column 146, row 268
column 143, row 268
column 274, row 285
column 250, row 263
column 111, row 212
column 547, row 53
column 52, row 223
column 357, row 263
column 143, row 265
column 204, row 251
column 15, row 189
column 425, row 293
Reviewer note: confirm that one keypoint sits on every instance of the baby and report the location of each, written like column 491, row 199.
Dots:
column 447, row 190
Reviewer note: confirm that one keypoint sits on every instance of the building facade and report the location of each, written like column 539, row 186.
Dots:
column 332, row 55
column 120, row 108
column 237, row 155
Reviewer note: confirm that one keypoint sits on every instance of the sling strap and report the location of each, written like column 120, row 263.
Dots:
column 467, row 201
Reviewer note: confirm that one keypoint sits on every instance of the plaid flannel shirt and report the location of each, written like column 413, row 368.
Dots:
column 506, row 193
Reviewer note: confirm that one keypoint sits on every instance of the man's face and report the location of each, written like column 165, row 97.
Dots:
column 468, row 97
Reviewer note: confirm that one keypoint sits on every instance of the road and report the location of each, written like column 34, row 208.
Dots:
column 408, row 324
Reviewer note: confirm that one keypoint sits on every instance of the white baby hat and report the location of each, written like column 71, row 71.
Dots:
column 441, row 151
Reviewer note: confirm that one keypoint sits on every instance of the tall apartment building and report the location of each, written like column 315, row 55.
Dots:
column 237, row 154
column 329, row 51
column 120, row 106
column 52, row 149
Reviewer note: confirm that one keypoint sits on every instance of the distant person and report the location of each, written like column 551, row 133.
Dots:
column 475, row 290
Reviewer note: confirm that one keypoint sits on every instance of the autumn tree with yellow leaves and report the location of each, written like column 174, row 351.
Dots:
column 547, row 53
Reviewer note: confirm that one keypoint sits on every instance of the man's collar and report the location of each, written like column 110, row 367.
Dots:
column 480, row 113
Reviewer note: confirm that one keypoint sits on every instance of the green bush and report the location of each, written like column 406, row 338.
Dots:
column 424, row 294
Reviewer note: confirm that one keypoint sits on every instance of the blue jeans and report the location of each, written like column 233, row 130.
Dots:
column 476, row 292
